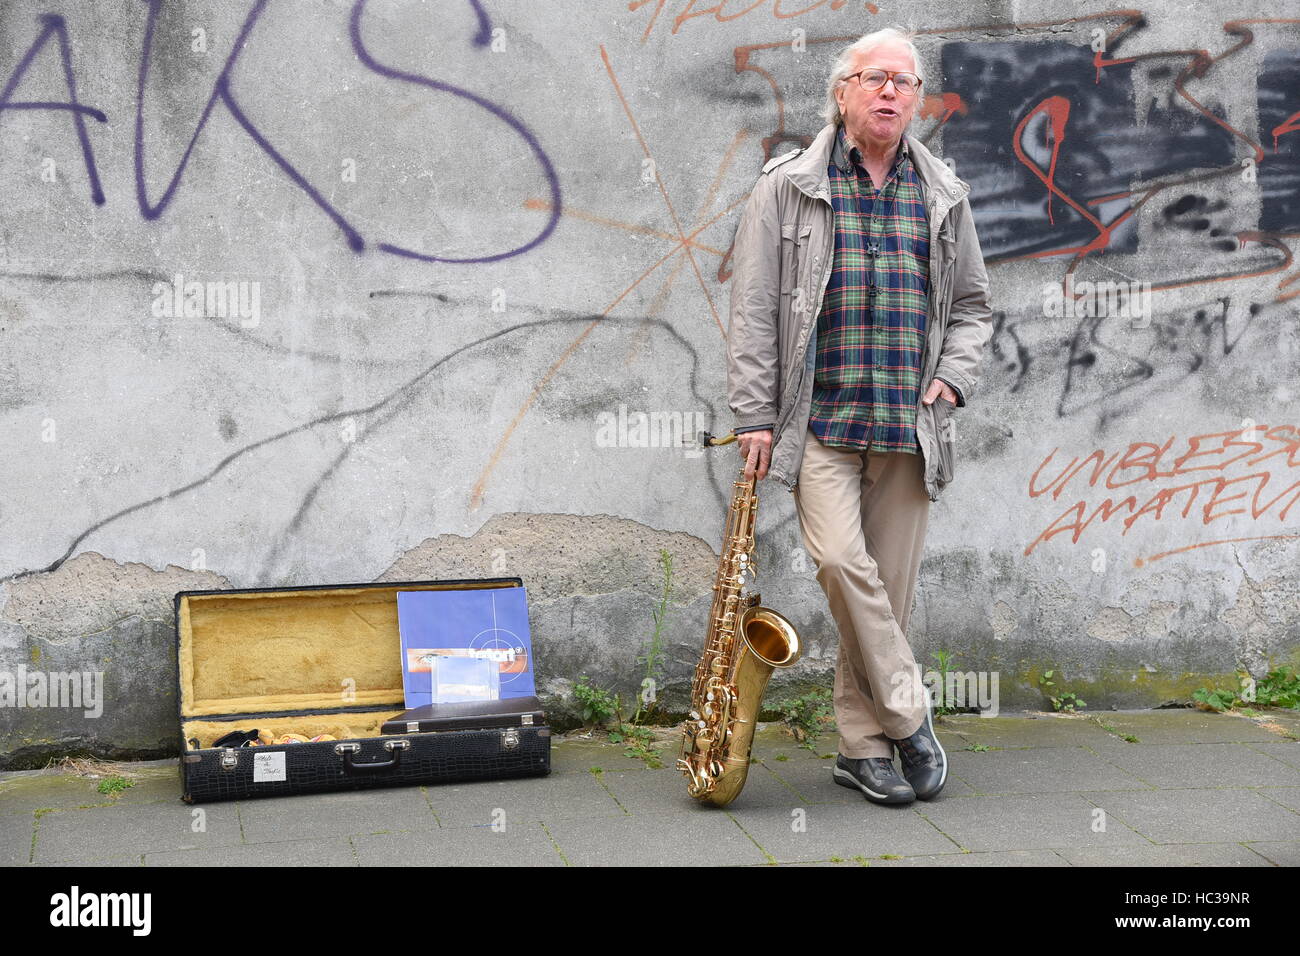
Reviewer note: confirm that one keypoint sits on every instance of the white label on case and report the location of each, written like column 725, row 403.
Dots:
column 269, row 768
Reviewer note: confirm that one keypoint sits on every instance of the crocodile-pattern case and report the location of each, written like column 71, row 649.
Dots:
column 220, row 689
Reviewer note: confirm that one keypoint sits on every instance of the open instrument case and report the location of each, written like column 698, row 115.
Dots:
column 323, row 660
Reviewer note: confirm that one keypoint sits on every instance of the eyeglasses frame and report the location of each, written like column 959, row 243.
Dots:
column 889, row 78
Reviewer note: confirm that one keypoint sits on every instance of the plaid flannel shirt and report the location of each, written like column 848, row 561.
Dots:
column 871, row 329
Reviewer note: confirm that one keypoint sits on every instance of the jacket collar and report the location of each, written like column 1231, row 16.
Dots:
column 943, row 189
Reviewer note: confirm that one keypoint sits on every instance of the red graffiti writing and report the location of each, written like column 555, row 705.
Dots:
column 1210, row 477
column 724, row 11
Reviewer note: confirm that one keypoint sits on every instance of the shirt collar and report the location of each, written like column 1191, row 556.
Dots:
column 844, row 156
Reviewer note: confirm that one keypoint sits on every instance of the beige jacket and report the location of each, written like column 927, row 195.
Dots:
column 781, row 265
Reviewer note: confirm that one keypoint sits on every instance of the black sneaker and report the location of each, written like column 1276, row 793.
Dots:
column 875, row 777
column 925, row 765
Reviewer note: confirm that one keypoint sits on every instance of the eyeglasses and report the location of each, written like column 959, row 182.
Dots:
column 871, row 80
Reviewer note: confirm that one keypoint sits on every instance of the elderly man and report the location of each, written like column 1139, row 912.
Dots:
column 859, row 311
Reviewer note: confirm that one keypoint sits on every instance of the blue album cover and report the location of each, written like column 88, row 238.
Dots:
column 465, row 645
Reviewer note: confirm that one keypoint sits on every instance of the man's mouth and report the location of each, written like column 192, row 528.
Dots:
column 886, row 112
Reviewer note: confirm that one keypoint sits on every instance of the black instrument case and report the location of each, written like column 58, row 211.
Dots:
column 326, row 660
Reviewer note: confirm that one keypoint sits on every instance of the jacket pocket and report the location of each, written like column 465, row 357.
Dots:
column 789, row 256
column 947, row 265
column 944, row 438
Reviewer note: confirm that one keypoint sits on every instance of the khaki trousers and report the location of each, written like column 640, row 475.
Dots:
column 863, row 516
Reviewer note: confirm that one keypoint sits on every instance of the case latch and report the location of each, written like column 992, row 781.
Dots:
column 526, row 720
column 510, row 739
column 229, row 758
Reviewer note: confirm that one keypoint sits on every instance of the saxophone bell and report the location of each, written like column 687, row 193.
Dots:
column 771, row 638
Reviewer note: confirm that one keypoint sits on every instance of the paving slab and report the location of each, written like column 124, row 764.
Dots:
column 1041, row 770
column 1023, row 822
column 26, row 791
column 993, row 858
column 1286, row 796
column 112, row 862
column 102, row 833
column 161, row 785
column 659, row 792
column 1169, row 854
column 1283, row 721
column 16, row 831
column 1201, row 765
column 664, row 792
column 854, row 863
column 56, row 789
column 345, row 813
column 776, row 743
column 708, row 837
column 1283, row 853
column 283, row 853
column 1286, row 751
column 1046, row 730
column 516, row 844
column 1200, row 816
column 1183, row 727
column 579, row 755
column 810, row 780
column 820, row 832
column 557, row 797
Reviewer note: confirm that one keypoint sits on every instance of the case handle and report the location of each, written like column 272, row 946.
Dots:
column 349, row 750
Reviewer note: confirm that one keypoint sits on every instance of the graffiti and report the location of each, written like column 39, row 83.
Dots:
column 1052, row 175
column 1049, row 130
column 1196, row 214
column 54, row 28
column 721, row 13
column 1214, row 477
column 685, row 243
column 1051, row 153
column 1279, row 124
column 1109, row 366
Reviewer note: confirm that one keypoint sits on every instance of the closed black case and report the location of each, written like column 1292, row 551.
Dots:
column 467, row 715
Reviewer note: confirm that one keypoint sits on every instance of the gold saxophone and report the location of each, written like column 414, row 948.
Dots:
column 744, row 643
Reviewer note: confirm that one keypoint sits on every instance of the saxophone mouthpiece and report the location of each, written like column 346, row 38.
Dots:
column 704, row 439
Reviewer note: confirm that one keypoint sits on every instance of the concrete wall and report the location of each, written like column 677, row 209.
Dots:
column 478, row 232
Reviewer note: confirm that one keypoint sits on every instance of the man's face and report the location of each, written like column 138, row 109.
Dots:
column 878, row 118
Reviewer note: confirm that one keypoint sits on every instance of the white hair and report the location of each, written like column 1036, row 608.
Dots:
column 848, row 57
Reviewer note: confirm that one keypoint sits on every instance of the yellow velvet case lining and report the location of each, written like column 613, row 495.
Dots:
column 294, row 651
column 342, row 726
